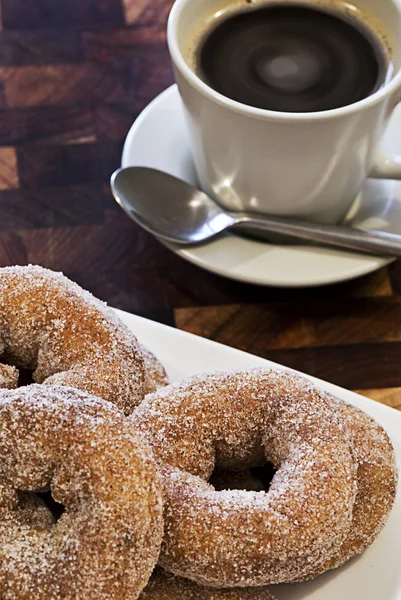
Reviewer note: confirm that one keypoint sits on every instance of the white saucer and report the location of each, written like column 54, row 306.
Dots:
column 159, row 139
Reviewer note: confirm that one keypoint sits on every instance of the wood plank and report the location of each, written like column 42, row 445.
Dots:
column 103, row 241
column 9, row 178
column 44, row 125
column 147, row 13
column 113, row 121
column 152, row 72
column 13, row 250
column 54, row 207
column 40, row 47
column 253, row 328
column 51, row 165
column 256, row 327
column 358, row 366
column 64, row 85
column 81, row 14
column 133, row 9
column 129, row 42
column 389, row 396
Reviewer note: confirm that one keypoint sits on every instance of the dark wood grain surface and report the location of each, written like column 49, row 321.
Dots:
column 73, row 77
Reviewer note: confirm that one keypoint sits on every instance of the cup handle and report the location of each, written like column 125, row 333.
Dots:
column 386, row 166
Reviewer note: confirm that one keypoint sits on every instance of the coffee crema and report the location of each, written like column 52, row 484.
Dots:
column 292, row 58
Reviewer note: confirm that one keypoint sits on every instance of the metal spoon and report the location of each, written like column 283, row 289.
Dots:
column 178, row 212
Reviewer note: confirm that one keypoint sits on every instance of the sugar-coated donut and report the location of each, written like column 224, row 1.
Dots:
column 235, row 420
column 155, row 373
column 377, row 480
column 64, row 335
column 165, row 586
column 106, row 543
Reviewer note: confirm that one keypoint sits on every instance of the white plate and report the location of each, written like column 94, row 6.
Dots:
column 159, row 139
column 376, row 575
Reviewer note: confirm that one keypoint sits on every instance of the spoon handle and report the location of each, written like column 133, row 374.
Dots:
column 362, row 240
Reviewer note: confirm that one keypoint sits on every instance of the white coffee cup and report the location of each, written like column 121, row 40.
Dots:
column 310, row 165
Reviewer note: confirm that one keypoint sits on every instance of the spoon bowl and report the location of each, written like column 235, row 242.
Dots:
column 168, row 207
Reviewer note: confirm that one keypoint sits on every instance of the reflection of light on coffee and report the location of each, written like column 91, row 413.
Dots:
column 283, row 66
column 294, row 69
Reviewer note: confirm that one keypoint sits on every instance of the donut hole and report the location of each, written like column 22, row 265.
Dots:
column 37, row 510
column 13, row 375
column 25, row 377
column 254, row 479
column 55, row 507
column 40, row 499
column 264, row 474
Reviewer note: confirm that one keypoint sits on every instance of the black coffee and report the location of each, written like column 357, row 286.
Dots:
column 292, row 58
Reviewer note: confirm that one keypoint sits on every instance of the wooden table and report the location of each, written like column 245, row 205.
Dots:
column 73, row 77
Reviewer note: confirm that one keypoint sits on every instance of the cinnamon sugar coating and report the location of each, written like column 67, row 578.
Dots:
column 164, row 586
column 236, row 420
column 8, row 377
column 155, row 373
column 377, row 480
column 106, row 543
column 65, row 335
